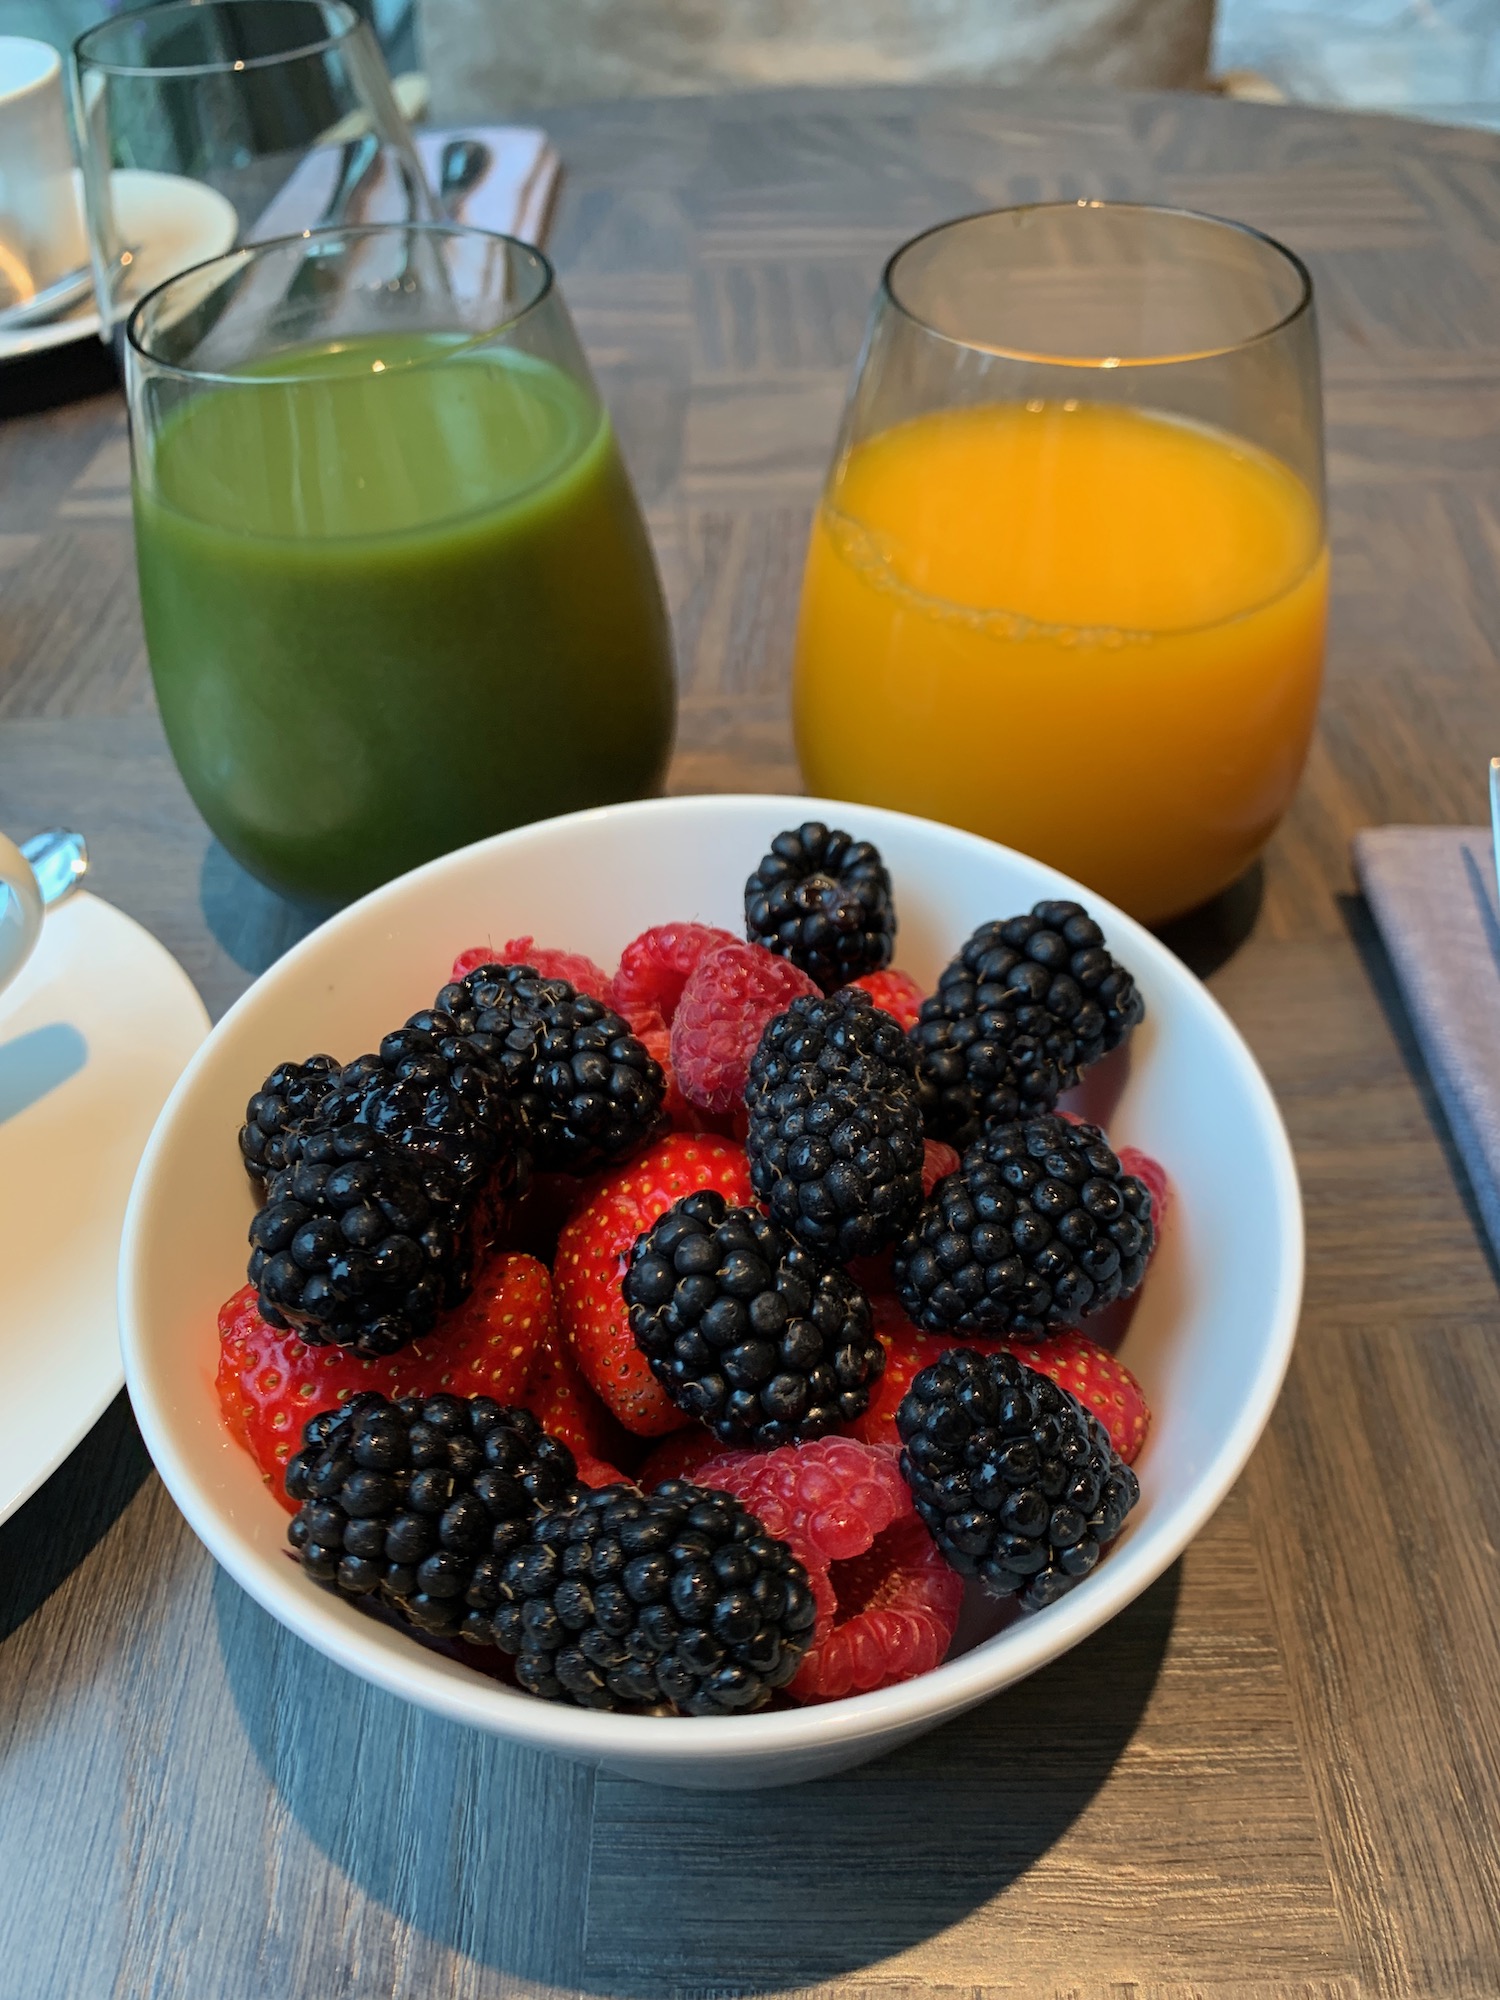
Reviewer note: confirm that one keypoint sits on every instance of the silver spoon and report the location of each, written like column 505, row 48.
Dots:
column 59, row 860
column 463, row 165
column 53, row 300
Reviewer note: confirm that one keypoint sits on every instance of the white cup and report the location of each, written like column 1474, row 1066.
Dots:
column 20, row 910
column 41, row 227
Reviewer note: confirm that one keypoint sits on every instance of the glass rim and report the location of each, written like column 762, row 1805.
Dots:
column 1301, row 306
column 348, row 22
column 250, row 253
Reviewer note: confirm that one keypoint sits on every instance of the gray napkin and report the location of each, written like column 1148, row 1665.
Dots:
column 1432, row 891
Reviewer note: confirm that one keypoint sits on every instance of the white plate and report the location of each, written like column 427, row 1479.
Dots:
column 175, row 221
column 1210, row 1341
column 94, row 1031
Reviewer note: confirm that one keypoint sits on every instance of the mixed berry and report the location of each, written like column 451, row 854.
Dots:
column 680, row 1339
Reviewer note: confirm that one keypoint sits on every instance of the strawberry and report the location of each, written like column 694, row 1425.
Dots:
column 270, row 1382
column 1070, row 1359
column 592, row 1253
column 564, row 1404
column 1101, row 1383
column 1154, row 1174
column 595, row 1472
column 897, row 992
column 579, row 971
column 907, row 1350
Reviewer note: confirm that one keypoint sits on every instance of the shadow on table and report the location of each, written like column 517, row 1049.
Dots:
column 44, row 1542
column 70, row 374
column 839, row 1875
column 1209, row 936
column 251, row 922
column 37, row 1062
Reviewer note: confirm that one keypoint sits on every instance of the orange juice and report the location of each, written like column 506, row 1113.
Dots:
column 1092, row 633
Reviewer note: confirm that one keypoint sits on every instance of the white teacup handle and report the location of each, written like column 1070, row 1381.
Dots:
column 20, row 910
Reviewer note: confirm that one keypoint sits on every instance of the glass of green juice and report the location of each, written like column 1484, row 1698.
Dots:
column 397, row 591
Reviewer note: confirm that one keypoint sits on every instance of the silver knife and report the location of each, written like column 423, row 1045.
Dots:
column 1495, row 815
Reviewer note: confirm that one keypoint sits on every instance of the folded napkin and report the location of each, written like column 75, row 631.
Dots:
column 514, row 195
column 1432, row 891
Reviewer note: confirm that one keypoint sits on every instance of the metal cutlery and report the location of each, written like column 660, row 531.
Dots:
column 59, row 860
column 53, row 300
column 461, row 167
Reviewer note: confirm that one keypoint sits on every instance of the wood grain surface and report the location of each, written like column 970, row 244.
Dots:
column 1277, row 1776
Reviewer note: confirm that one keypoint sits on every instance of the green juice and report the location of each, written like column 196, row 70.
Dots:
column 399, row 603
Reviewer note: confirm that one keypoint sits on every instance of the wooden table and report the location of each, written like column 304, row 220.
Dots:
column 1279, row 1772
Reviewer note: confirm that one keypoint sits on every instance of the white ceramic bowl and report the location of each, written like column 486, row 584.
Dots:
column 1210, row 1340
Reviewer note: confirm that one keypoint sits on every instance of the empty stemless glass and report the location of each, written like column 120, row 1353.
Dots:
column 1067, row 584
column 282, row 107
column 397, row 591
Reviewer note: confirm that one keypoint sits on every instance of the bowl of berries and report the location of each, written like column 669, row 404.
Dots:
column 714, row 1287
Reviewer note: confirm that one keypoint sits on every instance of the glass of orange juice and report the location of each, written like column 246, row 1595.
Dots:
column 1068, row 579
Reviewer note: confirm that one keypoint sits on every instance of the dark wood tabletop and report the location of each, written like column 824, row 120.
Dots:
column 1278, row 1773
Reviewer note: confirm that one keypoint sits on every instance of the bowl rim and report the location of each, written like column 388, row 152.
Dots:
column 449, row 1689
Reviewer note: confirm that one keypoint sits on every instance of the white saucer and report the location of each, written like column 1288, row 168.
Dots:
column 175, row 221
column 94, row 1032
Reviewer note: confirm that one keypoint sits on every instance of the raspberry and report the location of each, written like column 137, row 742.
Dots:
column 725, row 1006
column 834, row 1494
column 897, row 992
column 654, row 967
column 887, row 1602
column 938, row 1161
column 897, row 1613
column 579, row 971
column 470, row 960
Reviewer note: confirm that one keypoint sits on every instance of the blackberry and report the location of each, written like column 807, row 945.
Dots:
column 1022, row 1011
column 823, row 900
column 585, row 1087
column 744, row 1330
column 1040, row 1225
column 288, row 1098
column 437, row 1103
column 351, row 1250
column 679, row 1599
column 1017, row 1482
column 419, row 1503
column 835, row 1126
